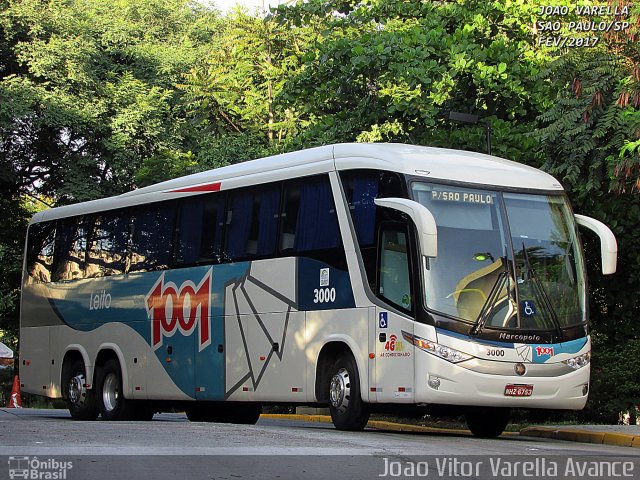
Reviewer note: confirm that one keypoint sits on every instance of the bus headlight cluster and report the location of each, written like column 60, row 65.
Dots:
column 579, row 361
column 450, row 354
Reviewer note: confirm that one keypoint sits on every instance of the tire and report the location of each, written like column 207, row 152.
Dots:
column 488, row 422
column 80, row 401
column 113, row 405
column 348, row 411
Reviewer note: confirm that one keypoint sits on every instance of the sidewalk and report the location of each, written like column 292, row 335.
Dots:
column 619, row 435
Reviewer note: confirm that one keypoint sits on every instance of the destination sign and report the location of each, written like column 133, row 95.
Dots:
column 462, row 197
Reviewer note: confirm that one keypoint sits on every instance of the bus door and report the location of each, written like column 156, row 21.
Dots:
column 394, row 358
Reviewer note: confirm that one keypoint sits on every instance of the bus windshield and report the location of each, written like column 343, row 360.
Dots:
column 505, row 260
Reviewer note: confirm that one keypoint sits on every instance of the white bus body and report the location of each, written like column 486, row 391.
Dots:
column 358, row 276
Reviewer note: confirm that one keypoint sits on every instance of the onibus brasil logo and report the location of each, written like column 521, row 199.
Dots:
column 173, row 308
column 34, row 468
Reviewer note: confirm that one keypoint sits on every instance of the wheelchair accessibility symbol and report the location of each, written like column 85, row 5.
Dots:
column 528, row 308
column 383, row 321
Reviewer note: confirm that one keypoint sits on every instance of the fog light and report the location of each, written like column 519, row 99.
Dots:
column 434, row 382
column 585, row 389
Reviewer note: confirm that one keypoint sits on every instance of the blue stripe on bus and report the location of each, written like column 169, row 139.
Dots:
column 541, row 353
column 88, row 304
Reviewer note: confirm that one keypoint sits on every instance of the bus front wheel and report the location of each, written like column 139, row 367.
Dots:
column 113, row 405
column 81, row 402
column 348, row 411
column 488, row 422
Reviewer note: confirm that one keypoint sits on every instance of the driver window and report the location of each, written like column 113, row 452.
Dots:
column 395, row 284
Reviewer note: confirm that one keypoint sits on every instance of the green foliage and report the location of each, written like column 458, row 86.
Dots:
column 613, row 388
column 235, row 89
column 391, row 70
column 87, row 90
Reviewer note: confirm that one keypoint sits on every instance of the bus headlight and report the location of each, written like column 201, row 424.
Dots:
column 447, row 353
column 579, row 361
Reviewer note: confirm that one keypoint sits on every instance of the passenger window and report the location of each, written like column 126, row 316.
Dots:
column 200, row 230
column 108, row 245
column 363, row 208
column 152, row 237
column 71, row 247
column 40, row 252
column 395, row 282
column 309, row 225
column 289, row 217
column 317, row 224
column 252, row 223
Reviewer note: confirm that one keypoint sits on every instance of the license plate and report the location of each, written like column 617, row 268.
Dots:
column 518, row 390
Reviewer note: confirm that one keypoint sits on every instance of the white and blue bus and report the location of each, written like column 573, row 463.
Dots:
column 362, row 277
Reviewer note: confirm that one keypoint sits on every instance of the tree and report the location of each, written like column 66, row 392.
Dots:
column 87, row 90
column 391, row 70
column 233, row 91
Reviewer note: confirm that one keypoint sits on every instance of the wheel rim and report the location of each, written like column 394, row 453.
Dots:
column 110, row 392
column 340, row 390
column 77, row 390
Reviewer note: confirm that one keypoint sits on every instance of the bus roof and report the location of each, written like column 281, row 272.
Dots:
column 429, row 163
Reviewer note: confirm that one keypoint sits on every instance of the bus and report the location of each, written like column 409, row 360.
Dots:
column 358, row 277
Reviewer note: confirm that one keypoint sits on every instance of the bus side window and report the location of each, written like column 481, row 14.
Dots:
column 289, row 216
column 239, row 216
column 395, row 283
column 200, row 230
column 361, row 188
column 152, row 237
column 71, row 246
column 108, row 239
column 40, row 252
column 363, row 208
column 317, row 223
column 252, row 222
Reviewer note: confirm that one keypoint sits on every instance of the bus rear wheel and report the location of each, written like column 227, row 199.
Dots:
column 488, row 422
column 348, row 411
column 113, row 405
column 80, row 401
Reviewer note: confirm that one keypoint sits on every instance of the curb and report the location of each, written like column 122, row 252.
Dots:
column 378, row 425
column 567, row 434
column 583, row 436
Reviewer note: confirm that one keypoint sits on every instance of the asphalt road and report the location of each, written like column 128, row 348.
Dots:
column 172, row 447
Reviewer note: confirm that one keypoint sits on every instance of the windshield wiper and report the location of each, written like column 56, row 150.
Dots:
column 541, row 292
column 487, row 308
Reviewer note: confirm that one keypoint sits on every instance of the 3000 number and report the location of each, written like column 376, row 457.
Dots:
column 324, row 295
column 495, row 353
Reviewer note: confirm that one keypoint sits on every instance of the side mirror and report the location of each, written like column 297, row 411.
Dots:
column 608, row 244
column 423, row 219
